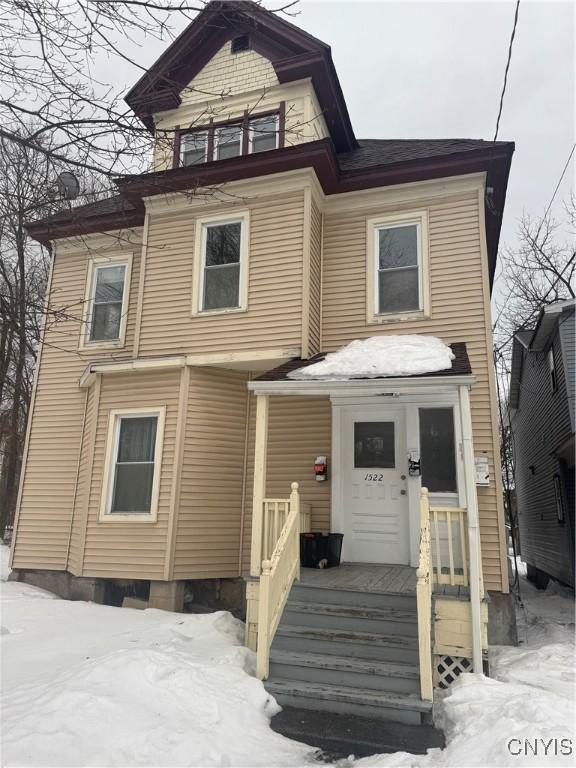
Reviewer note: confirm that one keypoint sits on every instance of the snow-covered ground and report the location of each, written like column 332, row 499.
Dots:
column 87, row 685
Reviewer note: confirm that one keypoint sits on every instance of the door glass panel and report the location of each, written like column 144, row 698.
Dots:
column 437, row 451
column 374, row 444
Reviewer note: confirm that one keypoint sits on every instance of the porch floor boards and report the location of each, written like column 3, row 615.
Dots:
column 363, row 577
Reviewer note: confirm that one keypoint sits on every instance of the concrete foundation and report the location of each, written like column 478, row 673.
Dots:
column 501, row 619
column 167, row 595
column 63, row 584
column 216, row 595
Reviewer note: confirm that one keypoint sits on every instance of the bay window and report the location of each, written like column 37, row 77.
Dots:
column 134, row 455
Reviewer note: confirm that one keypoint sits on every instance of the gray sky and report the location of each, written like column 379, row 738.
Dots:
column 435, row 69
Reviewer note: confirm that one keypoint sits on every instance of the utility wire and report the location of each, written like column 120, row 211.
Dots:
column 507, row 68
column 560, row 179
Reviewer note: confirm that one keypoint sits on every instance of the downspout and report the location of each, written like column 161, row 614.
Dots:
column 473, row 529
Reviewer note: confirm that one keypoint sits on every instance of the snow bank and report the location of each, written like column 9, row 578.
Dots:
column 87, row 685
column 381, row 356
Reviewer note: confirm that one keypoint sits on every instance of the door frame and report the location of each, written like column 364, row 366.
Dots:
column 410, row 403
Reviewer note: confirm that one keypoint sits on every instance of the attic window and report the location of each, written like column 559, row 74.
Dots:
column 240, row 44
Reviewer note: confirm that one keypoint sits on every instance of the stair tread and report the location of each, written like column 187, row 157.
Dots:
column 348, row 694
column 328, row 661
column 352, row 611
column 347, row 636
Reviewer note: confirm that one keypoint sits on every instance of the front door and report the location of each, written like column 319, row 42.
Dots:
column 374, row 470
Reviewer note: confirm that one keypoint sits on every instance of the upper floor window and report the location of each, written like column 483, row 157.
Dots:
column 258, row 133
column 397, row 265
column 106, row 301
column 221, row 258
column 194, row 148
column 552, row 370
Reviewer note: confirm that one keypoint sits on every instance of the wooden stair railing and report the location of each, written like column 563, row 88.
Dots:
column 449, row 530
column 424, row 600
column 278, row 574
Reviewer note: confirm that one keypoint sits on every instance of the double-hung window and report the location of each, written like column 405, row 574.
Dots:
column 194, row 148
column 264, row 133
column 133, row 462
column 221, row 256
column 397, row 266
column 228, row 141
column 106, row 301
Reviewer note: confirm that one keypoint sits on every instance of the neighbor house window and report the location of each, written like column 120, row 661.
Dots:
column 552, row 370
column 194, row 148
column 228, row 141
column 437, row 450
column 106, row 301
column 264, row 133
column 133, row 462
column 222, row 257
column 397, row 260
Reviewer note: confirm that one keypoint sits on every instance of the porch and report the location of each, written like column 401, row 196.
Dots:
column 433, row 572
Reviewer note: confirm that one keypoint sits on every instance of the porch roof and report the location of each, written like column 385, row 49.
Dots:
column 460, row 367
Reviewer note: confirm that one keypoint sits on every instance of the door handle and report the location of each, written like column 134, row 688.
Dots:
column 403, row 492
column 402, row 477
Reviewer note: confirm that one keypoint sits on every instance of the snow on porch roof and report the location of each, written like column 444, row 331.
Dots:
column 460, row 366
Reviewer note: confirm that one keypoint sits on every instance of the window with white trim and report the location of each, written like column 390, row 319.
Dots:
column 194, row 148
column 221, row 277
column 397, row 264
column 133, row 462
column 106, row 301
column 552, row 369
column 264, row 134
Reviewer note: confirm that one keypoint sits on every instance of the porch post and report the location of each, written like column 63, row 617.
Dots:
column 473, row 529
column 260, row 452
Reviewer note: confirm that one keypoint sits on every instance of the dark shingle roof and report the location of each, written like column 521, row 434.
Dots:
column 460, row 366
column 373, row 152
column 105, row 207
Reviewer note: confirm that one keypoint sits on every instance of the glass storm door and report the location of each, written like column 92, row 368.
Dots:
column 376, row 522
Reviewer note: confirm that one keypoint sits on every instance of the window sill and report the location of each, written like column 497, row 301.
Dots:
column 211, row 312
column 113, row 517
column 88, row 345
column 399, row 317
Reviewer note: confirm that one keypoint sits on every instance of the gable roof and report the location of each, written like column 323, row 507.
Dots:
column 294, row 54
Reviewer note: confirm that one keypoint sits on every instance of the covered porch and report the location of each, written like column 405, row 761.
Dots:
column 398, row 537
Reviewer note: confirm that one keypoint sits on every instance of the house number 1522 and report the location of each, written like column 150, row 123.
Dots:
column 374, row 478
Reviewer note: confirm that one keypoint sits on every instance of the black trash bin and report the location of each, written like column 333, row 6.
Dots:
column 320, row 550
column 334, row 549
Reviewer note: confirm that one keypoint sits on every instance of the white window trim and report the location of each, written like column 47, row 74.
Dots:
column 243, row 217
column 86, row 324
column 218, row 131
column 110, row 462
column 251, row 132
column 182, row 142
column 373, row 225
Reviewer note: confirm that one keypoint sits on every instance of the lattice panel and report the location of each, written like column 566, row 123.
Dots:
column 448, row 668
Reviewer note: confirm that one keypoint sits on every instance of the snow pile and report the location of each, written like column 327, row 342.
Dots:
column 530, row 696
column 381, row 356
column 87, row 684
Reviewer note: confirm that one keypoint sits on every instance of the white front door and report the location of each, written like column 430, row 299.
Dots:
column 374, row 469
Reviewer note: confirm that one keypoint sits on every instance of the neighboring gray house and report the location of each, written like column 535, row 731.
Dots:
column 542, row 424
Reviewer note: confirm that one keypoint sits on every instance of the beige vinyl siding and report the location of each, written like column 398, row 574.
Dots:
column 84, row 471
column 210, row 506
column 315, row 279
column 230, row 85
column 458, row 304
column 131, row 549
column 274, row 315
column 299, row 429
column 49, row 478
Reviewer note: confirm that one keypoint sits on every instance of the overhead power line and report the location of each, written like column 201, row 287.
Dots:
column 560, row 179
column 507, row 68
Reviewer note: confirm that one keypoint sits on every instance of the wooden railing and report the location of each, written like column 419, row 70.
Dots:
column 278, row 574
column 449, row 550
column 275, row 513
column 424, row 599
